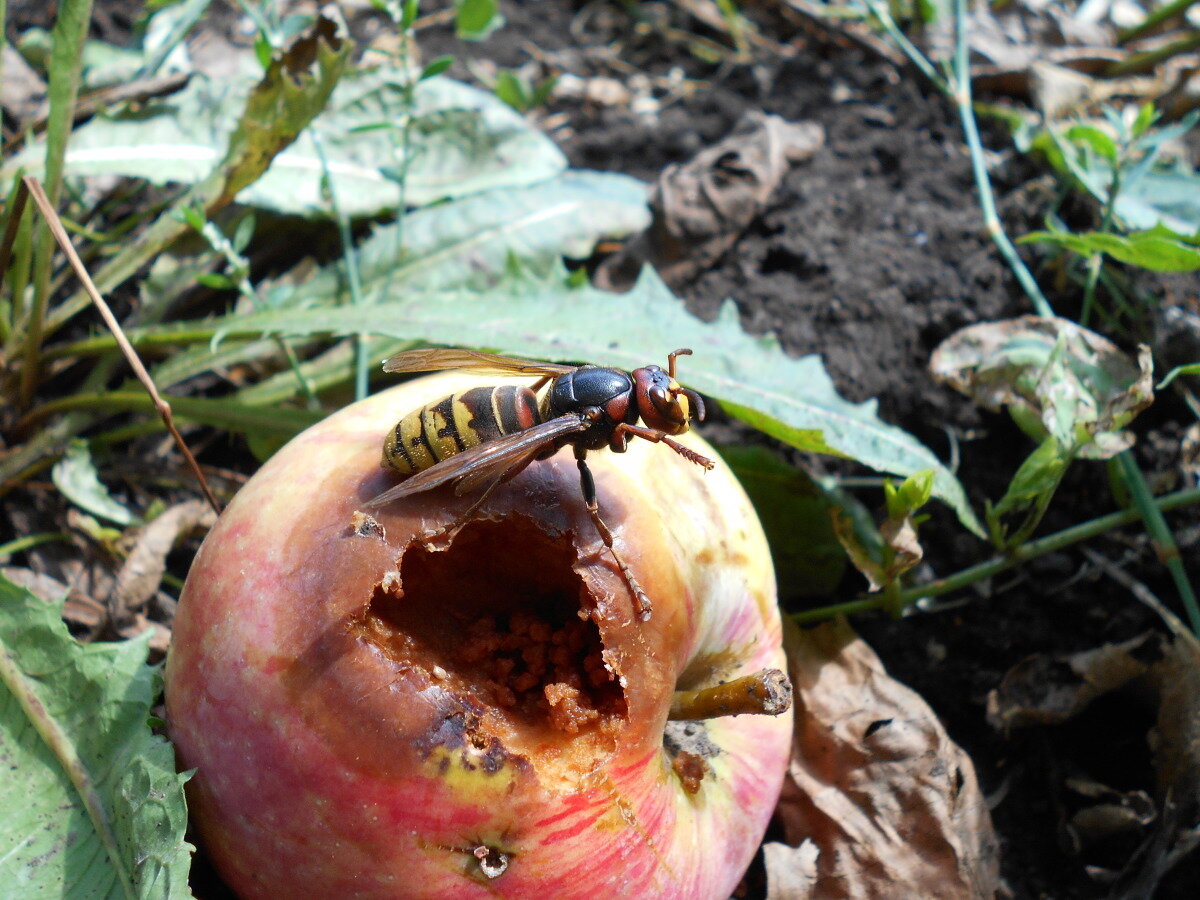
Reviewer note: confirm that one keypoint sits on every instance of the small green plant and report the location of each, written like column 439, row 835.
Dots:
column 1150, row 210
column 518, row 92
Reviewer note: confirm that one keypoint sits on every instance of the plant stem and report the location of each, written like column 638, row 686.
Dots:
column 883, row 18
column 350, row 256
column 1154, row 19
column 1096, row 262
column 1142, row 62
column 998, row 564
column 32, row 540
column 1160, row 534
column 961, row 94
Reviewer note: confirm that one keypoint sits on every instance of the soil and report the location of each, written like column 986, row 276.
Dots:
column 869, row 255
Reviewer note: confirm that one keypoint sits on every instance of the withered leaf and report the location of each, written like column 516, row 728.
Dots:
column 875, row 785
column 699, row 208
column 142, row 572
column 1054, row 376
column 1044, row 689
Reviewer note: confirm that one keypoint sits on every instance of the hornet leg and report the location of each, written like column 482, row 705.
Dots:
column 656, row 436
column 454, row 527
column 588, row 484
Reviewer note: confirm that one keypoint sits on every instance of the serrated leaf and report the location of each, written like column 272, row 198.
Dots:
column 462, row 141
column 469, row 242
column 793, row 400
column 75, row 476
column 1167, row 196
column 459, row 244
column 92, row 804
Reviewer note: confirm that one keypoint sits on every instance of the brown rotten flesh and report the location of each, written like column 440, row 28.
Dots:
column 482, row 714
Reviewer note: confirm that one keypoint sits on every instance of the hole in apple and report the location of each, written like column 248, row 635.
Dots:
column 501, row 615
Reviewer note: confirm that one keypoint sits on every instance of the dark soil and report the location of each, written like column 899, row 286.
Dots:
column 870, row 255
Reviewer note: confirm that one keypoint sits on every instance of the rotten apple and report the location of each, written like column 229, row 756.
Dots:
column 481, row 713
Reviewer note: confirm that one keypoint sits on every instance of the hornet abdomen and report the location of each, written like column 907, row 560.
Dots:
column 437, row 431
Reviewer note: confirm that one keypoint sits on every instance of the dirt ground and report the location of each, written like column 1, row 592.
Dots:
column 870, row 254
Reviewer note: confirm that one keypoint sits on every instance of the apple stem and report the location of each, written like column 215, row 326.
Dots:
column 766, row 692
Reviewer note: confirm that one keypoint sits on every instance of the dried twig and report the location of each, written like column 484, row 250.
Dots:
column 34, row 187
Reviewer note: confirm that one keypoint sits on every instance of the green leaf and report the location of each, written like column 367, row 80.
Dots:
column 476, row 19
column 1099, row 140
column 1158, row 250
column 793, row 400
column 92, row 804
column 408, row 14
column 66, row 62
column 513, row 90
column 1039, row 473
column 1146, row 117
column 1168, row 195
column 75, row 475
column 220, row 412
column 794, row 512
column 216, row 281
column 462, row 141
column 437, row 67
column 910, row 495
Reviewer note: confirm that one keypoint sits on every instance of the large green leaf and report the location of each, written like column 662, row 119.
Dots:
column 90, row 804
column 471, row 242
column 791, row 399
column 462, row 140
column 467, row 243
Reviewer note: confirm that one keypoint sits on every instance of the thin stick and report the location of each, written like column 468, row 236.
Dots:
column 767, row 692
column 164, row 409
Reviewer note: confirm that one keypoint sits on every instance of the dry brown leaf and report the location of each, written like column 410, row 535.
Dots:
column 1177, row 742
column 875, row 784
column 792, row 870
column 699, row 208
column 1046, row 690
column 142, row 572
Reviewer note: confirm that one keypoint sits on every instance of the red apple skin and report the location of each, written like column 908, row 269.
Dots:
column 328, row 766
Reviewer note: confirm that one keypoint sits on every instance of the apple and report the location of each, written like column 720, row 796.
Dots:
column 482, row 713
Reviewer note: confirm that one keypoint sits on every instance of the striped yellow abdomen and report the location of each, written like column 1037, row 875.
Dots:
column 438, row 431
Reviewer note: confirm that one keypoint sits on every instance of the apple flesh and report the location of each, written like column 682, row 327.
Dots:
column 485, row 716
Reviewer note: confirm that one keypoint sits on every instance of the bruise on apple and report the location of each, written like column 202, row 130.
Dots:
column 520, row 642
